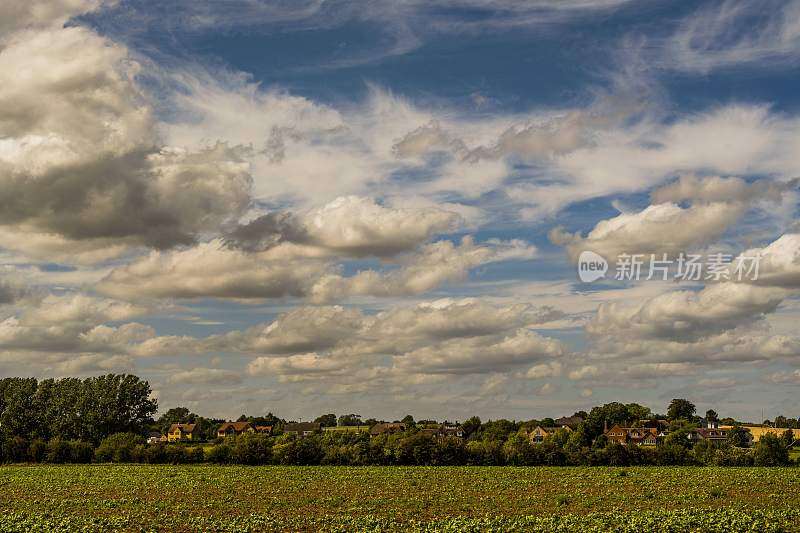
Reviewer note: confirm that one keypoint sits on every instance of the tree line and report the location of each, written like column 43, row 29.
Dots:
column 107, row 419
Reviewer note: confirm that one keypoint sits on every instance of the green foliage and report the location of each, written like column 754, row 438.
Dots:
column 118, row 448
column 770, row 451
column 350, row 420
column 99, row 498
column 70, row 408
column 680, row 409
column 738, row 436
column 328, row 420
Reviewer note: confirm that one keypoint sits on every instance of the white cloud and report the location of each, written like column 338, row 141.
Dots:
column 658, row 229
column 205, row 376
column 481, row 354
column 736, row 33
column 779, row 265
column 686, row 315
column 434, row 264
column 18, row 15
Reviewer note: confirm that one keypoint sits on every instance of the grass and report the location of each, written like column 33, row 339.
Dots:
column 184, row 498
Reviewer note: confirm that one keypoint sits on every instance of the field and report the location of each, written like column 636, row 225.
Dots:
column 238, row 498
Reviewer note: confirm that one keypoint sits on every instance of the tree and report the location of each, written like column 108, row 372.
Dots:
column 175, row 415
column 680, row 409
column 408, row 420
column 325, row 421
column 712, row 416
column 679, row 435
column 738, row 437
column 115, row 403
column 770, row 451
column 608, row 415
column 17, row 417
column 788, row 438
column 471, row 425
column 350, row 420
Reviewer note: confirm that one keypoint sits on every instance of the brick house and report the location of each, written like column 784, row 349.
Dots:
column 387, row 428
column 229, row 429
column 633, row 435
column 302, row 429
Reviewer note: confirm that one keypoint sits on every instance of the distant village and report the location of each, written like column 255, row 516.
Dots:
column 645, row 432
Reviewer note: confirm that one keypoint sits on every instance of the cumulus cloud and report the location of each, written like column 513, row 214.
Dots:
column 18, row 15
column 779, row 264
column 690, row 187
column 686, row 315
column 71, row 323
column 722, row 322
column 544, row 370
column 211, row 270
column 94, row 364
column 215, row 270
column 205, row 376
column 456, row 337
column 433, row 265
column 296, row 367
column 480, row 354
column 301, row 330
column 81, row 158
column 666, row 227
column 350, row 226
column 658, row 229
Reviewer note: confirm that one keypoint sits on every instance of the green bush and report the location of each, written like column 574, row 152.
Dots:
column 37, row 451
column 118, row 448
column 59, row 451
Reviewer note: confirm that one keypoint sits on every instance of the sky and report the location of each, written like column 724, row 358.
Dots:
column 379, row 207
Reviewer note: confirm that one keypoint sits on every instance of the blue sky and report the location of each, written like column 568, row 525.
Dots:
column 330, row 206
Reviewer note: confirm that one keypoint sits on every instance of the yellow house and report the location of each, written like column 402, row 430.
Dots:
column 183, row 432
column 540, row 433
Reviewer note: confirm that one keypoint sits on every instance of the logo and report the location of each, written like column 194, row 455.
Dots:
column 591, row 266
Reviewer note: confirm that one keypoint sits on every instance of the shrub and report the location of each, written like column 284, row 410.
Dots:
column 118, row 448
column 219, row 454
column 16, row 450
column 59, row 451
column 254, row 449
column 81, row 451
column 37, row 451
column 771, row 451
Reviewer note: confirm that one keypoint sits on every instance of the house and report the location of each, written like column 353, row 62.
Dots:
column 302, row 429
column 387, row 428
column 452, row 430
column 266, row 430
column 444, row 430
column 183, row 432
column 229, row 429
column 640, row 436
column 713, row 434
column 569, row 421
column 155, row 437
column 539, row 433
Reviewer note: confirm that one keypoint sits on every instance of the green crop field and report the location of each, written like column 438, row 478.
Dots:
column 239, row 498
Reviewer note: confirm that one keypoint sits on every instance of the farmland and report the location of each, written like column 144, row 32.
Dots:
column 237, row 498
